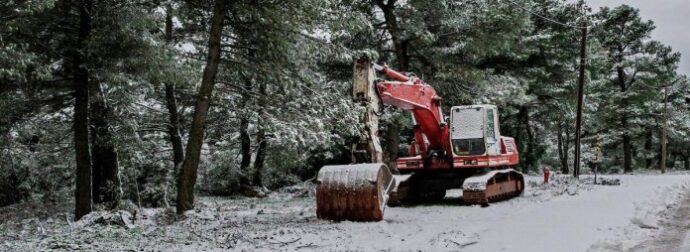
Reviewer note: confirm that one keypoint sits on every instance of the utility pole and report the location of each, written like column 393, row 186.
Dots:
column 580, row 96
column 662, row 166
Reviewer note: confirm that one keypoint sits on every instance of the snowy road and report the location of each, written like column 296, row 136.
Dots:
column 674, row 235
column 559, row 218
column 644, row 213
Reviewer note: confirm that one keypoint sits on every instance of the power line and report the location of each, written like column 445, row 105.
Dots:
column 545, row 17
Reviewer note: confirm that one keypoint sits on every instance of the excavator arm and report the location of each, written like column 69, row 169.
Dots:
column 404, row 92
column 360, row 191
column 421, row 100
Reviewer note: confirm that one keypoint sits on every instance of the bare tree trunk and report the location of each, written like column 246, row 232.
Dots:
column 245, row 145
column 686, row 162
column 627, row 140
column 81, row 114
column 527, row 146
column 260, row 157
column 188, row 172
column 564, row 168
column 400, row 46
column 664, row 132
column 674, row 158
column 261, row 139
column 171, row 100
column 648, row 148
column 105, row 177
column 627, row 153
column 245, row 139
column 251, row 37
column 392, row 140
column 563, row 147
column 174, row 127
column 566, row 144
column 627, row 147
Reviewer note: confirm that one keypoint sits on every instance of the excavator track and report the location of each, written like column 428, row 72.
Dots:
column 357, row 192
column 492, row 186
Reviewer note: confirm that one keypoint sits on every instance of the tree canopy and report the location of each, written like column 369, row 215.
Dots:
column 116, row 83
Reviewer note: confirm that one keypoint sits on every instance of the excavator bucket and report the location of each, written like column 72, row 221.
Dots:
column 492, row 186
column 357, row 192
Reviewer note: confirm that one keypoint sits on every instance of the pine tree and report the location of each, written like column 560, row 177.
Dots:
column 188, row 172
column 633, row 61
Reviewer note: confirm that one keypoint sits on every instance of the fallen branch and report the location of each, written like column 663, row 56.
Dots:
column 309, row 245
column 462, row 245
column 285, row 243
column 68, row 221
column 468, row 244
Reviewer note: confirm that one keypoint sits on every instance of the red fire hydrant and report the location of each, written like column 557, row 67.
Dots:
column 547, row 173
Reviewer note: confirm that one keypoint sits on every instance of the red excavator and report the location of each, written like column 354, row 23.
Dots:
column 464, row 150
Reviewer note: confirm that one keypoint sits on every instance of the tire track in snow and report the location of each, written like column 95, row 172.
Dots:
column 672, row 237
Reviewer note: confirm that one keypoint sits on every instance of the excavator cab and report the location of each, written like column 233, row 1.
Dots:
column 474, row 130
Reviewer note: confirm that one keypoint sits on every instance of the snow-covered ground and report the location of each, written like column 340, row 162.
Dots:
column 561, row 216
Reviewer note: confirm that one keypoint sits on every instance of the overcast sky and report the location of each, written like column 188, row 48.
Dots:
column 672, row 20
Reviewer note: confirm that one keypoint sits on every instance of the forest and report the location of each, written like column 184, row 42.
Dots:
column 156, row 102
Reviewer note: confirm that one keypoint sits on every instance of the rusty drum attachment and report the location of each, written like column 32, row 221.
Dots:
column 493, row 186
column 357, row 192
